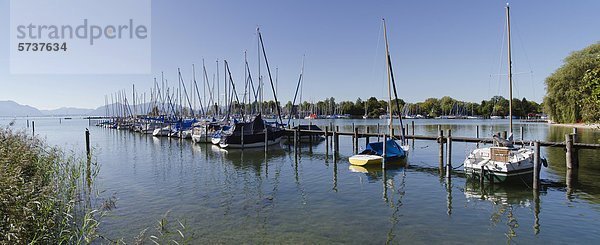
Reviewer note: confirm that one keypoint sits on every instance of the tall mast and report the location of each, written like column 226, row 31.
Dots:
column 218, row 95
column 509, row 72
column 387, row 55
column 260, row 85
column 134, row 114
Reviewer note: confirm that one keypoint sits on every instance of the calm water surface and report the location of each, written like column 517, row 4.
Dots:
column 234, row 196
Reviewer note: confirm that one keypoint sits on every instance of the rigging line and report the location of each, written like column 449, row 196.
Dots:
column 500, row 65
column 373, row 65
column 270, row 78
column 516, row 27
column 182, row 81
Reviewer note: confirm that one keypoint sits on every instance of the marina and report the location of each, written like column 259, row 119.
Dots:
column 235, row 195
column 288, row 123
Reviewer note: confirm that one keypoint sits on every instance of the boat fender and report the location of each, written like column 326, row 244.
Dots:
column 544, row 162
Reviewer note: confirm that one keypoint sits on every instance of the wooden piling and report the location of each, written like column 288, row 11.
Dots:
column 536, row 165
column 378, row 132
column 242, row 137
column 355, row 141
column 33, row 127
column 367, row 137
column 384, row 150
column 413, row 127
column 575, row 154
column 477, row 134
column 522, row 138
column 310, row 138
column 27, row 123
column 482, row 176
column 569, row 147
column 266, row 139
column 87, row 143
column 296, row 136
column 326, row 141
column 441, row 148
column 336, row 141
column 449, row 153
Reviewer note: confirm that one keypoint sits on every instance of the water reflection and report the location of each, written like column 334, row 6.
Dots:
column 582, row 179
column 505, row 200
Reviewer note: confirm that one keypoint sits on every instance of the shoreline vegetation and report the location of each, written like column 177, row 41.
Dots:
column 49, row 196
column 573, row 90
column 371, row 108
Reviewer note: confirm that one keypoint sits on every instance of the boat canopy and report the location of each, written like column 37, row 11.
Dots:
column 393, row 149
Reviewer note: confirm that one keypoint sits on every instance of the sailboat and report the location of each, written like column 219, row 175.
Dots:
column 390, row 151
column 501, row 162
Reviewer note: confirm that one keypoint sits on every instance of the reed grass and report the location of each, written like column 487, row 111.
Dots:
column 46, row 195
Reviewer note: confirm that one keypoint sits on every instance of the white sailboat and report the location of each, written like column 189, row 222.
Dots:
column 502, row 162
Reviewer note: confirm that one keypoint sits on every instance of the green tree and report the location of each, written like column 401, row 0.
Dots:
column 564, row 85
column 591, row 96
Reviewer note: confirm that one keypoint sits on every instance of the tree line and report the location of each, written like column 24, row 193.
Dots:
column 431, row 107
column 573, row 90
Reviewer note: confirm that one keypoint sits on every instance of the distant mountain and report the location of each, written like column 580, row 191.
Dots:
column 68, row 111
column 13, row 109
column 9, row 108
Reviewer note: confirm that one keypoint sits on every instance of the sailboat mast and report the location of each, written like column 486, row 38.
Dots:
column 389, row 80
column 509, row 72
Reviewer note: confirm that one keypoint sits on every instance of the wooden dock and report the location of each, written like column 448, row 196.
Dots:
column 570, row 145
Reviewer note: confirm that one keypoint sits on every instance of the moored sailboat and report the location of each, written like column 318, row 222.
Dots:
column 502, row 162
column 388, row 151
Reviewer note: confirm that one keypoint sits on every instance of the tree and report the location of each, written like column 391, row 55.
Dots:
column 591, row 96
column 564, row 85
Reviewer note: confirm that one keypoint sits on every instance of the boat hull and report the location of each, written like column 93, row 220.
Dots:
column 524, row 175
column 361, row 160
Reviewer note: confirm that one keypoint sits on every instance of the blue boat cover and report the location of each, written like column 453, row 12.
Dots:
column 393, row 149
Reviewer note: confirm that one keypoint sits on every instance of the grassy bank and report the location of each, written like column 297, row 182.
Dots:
column 46, row 195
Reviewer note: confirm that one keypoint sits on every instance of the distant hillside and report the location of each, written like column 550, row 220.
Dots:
column 10, row 108
column 13, row 109
column 68, row 111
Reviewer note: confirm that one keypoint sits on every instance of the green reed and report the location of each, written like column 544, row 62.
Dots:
column 46, row 195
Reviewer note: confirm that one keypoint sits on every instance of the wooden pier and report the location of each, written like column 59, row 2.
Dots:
column 570, row 145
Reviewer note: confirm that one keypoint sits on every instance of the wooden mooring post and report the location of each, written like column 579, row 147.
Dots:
column 571, row 154
column 477, row 135
column 384, row 151
column 296, row 138
column 378, row 132
column 367, row 137
column 355, row 141
column 242, row 138
column 87, row 144
column 310, row 136
column 441, row 147
column 33, row 127
column 326, row 142
column 449, row 154
column 522, row 138
column 336, row 142
column 536, row 165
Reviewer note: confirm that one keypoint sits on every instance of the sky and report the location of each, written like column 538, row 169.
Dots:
column 438, row 48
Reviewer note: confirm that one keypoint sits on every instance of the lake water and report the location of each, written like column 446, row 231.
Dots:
column 235, row 196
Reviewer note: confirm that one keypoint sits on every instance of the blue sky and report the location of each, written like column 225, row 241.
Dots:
column 438, row 48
